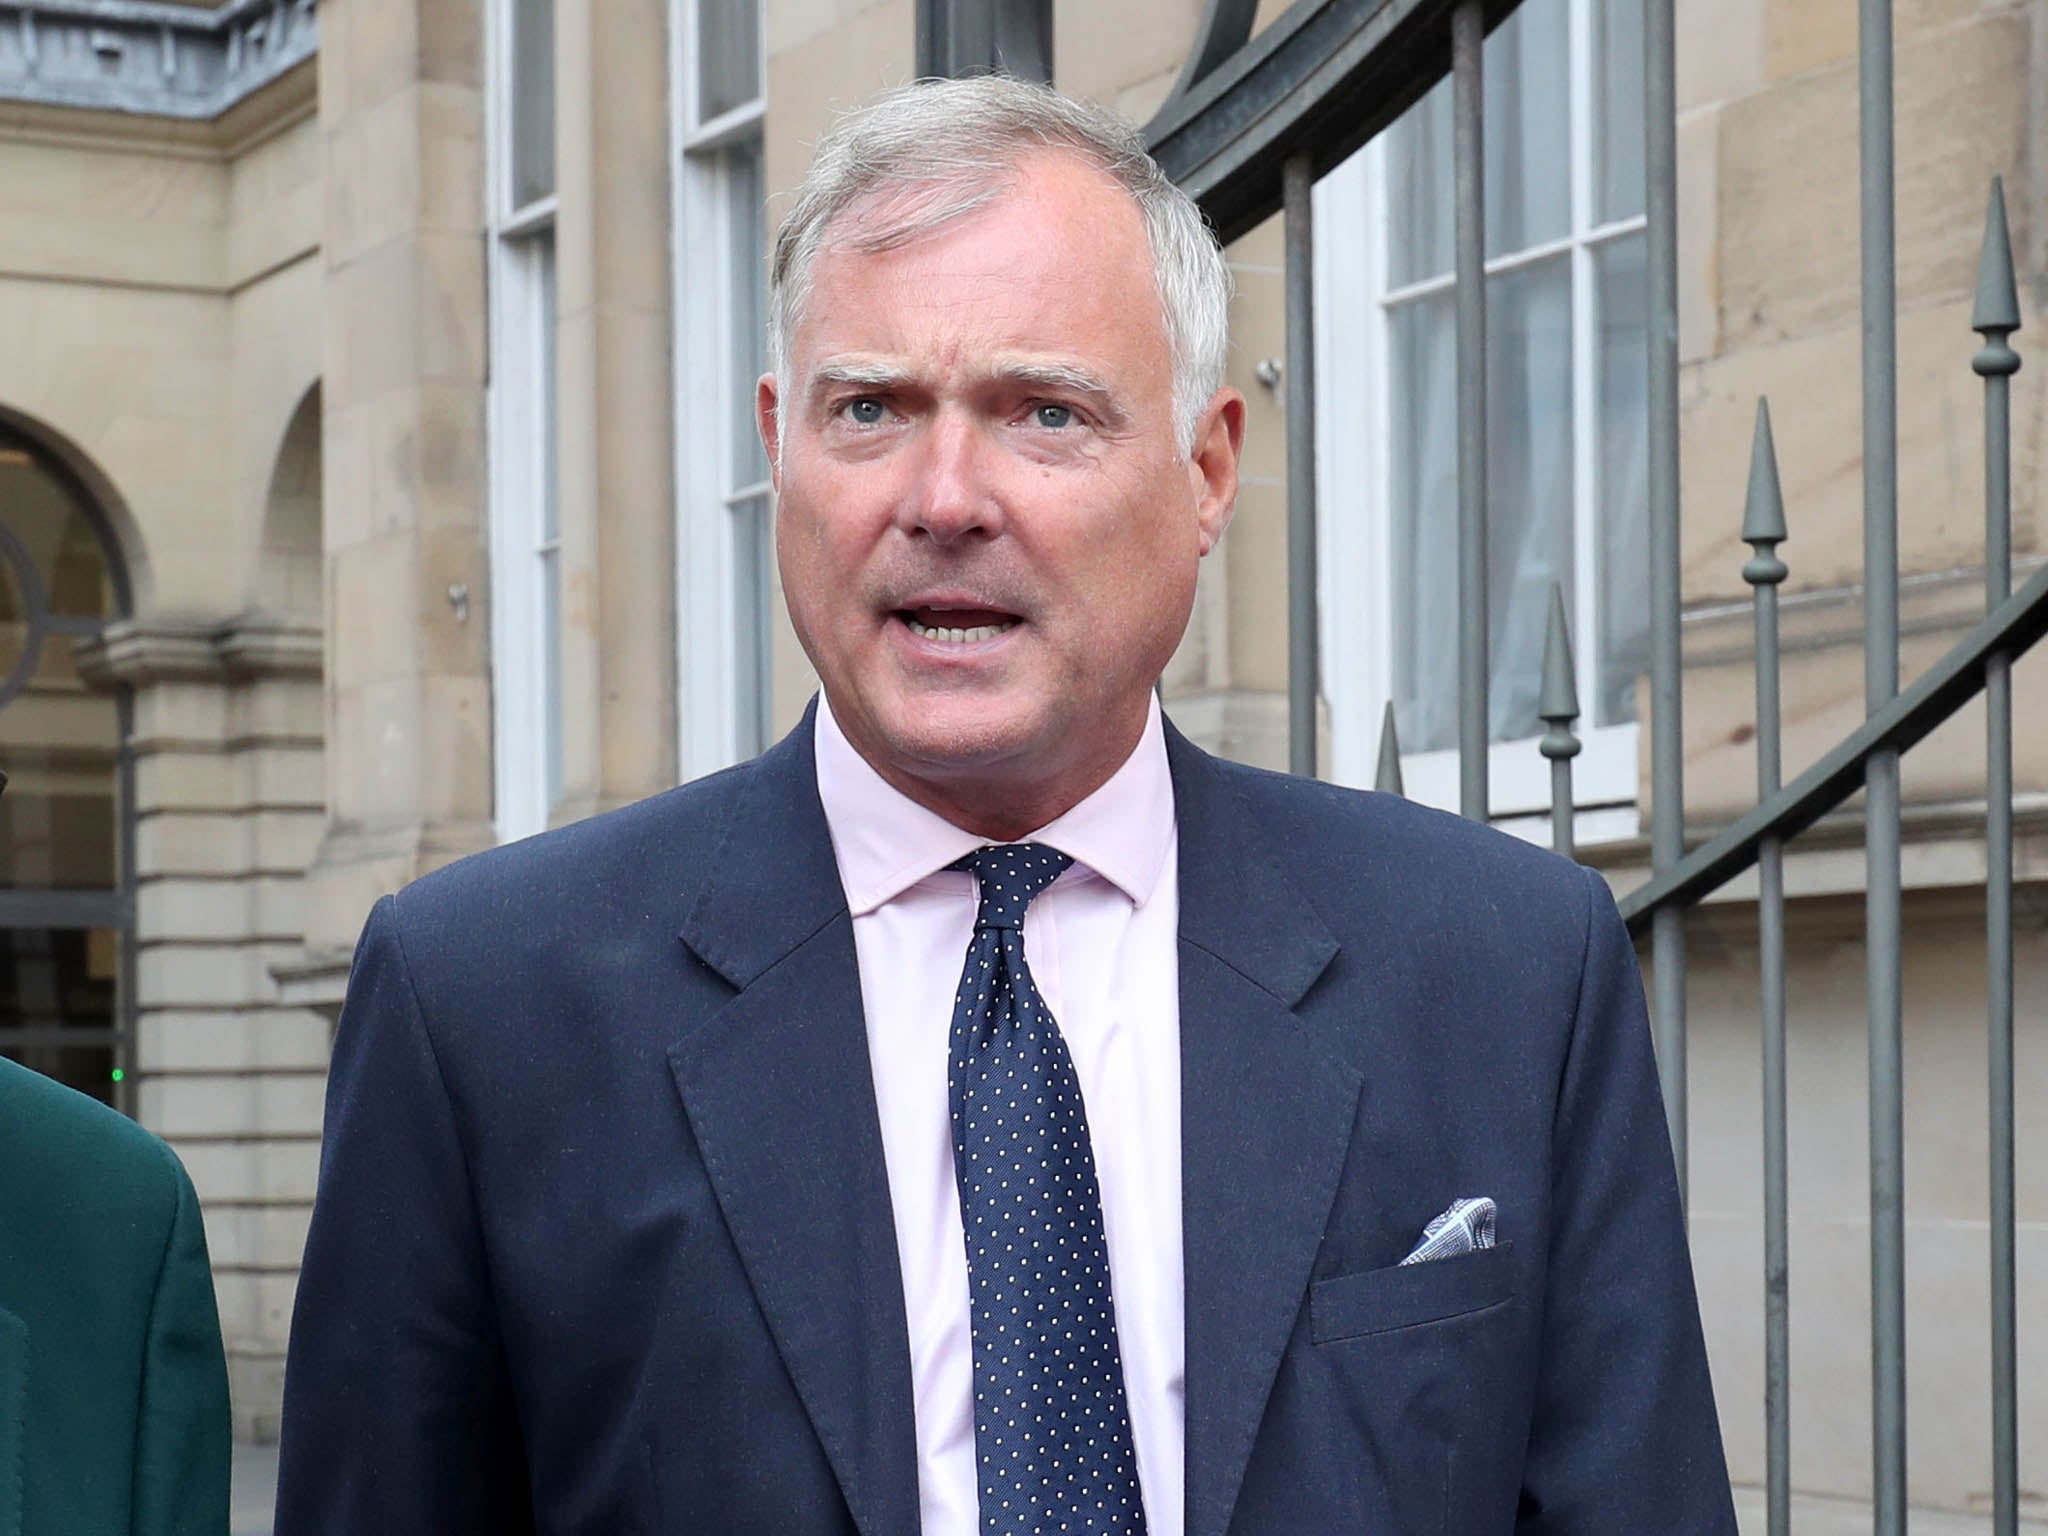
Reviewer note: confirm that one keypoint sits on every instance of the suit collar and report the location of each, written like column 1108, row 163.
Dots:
column 773, row 881
column 1237, row 902
column 770, row 882
column 885, row 842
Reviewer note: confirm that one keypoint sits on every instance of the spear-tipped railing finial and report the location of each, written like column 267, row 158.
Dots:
column 1763, row 519
column 1557, row 704
column 1997, row 310
column 1388, row 778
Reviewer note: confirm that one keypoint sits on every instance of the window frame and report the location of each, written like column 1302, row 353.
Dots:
column 523, row 494
column 716, row 724
column 1354, row 308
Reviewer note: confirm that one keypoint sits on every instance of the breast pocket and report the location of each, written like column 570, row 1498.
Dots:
column 1415, row 1358
column 1410, row 1295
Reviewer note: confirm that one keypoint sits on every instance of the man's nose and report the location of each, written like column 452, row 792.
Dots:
column 953, row 496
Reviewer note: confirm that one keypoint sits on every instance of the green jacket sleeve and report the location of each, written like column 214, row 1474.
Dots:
column 13, row 1418
column 183, row 1435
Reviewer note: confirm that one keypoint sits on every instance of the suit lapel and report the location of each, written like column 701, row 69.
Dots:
column 780, row 1097
column 1266, row 1118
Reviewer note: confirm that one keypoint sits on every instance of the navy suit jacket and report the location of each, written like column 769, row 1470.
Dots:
column 603, row 1240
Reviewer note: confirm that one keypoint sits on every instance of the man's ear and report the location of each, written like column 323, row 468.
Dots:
column 768, row 421
column 1219, row 441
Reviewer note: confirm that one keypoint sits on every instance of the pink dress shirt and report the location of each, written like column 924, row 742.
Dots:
column 1103, row 947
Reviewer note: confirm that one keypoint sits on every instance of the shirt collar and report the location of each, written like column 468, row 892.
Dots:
column 885, row 842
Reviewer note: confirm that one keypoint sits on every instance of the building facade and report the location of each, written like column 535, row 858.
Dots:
column 378, row 482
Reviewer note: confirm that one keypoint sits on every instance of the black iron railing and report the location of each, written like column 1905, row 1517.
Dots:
column 1254, row 121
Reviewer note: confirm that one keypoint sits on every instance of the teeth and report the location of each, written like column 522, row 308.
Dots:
column 955, row 636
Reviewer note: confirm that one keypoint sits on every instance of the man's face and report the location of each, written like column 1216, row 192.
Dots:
column 977, row 439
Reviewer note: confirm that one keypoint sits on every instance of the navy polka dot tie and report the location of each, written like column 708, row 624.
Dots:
column 1052, row 1432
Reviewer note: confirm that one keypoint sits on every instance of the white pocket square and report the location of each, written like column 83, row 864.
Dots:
column 1465, row 1227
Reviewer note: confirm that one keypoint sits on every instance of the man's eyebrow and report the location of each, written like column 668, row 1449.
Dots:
column 1064, row 378
column 1027, row 373
column 842, row 373
column 1053, row 376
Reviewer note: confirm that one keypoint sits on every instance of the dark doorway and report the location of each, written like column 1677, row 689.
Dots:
column 64, row 912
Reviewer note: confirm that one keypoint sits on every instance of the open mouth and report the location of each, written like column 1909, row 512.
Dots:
column 956, row 626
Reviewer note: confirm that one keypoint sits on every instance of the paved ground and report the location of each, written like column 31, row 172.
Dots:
column 255, row 1490
column 256, row 1493
column 1849, row 1517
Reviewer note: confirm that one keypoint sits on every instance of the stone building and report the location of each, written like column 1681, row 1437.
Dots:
column 377, row 482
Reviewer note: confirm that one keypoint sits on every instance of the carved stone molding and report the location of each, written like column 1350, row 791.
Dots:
column 148, row 57
column 165, row 649
column 315, row 979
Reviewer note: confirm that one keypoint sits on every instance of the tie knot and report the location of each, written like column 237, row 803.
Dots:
column 1010, row 875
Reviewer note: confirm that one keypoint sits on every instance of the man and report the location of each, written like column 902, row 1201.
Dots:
column 985, row 1112
column 113, row 1383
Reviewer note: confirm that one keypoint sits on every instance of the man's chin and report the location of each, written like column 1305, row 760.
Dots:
column 947, row 742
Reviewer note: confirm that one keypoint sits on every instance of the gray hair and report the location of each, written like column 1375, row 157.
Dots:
column 935, row 150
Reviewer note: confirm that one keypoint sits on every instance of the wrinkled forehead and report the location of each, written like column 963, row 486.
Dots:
column 1052, row 212
column 897, row 213
column 899, row 210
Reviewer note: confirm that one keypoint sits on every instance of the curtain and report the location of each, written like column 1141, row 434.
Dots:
column 1424, row 356
column 1529, row 387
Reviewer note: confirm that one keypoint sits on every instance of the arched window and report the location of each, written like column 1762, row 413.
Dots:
column 64, row 917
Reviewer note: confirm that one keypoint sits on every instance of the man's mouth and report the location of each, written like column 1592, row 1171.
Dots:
column 956, row 626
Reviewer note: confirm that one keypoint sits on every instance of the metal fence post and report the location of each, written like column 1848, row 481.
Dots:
column 1667, row 731
column 1303, row 660
column 1883, row 897
column 1997, row 316
column 1763, row 528
column 1468, row 153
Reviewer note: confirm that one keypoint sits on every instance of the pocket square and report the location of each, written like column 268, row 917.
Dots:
column 1464, row 1228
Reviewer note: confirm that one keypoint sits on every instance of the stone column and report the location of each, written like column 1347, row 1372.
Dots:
column 614, row 403
column 228, row 808
column 408, row 679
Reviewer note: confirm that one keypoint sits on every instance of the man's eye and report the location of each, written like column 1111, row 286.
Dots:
column 864, row 412
column 1053, row 417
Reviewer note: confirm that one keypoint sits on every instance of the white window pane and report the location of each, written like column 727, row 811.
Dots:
column 753, row 550
column 532, row 105
column 1423, row 354
column 1528, row 151
column 544, row 385
column 1419, row 181
column 1530, row 479
column 551, row 675
column 1618, row 139
column 728, row 56
column 747, row 223
column 1624, row 560
column 1528, row 129
column 547, row 508
column 753, row 546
